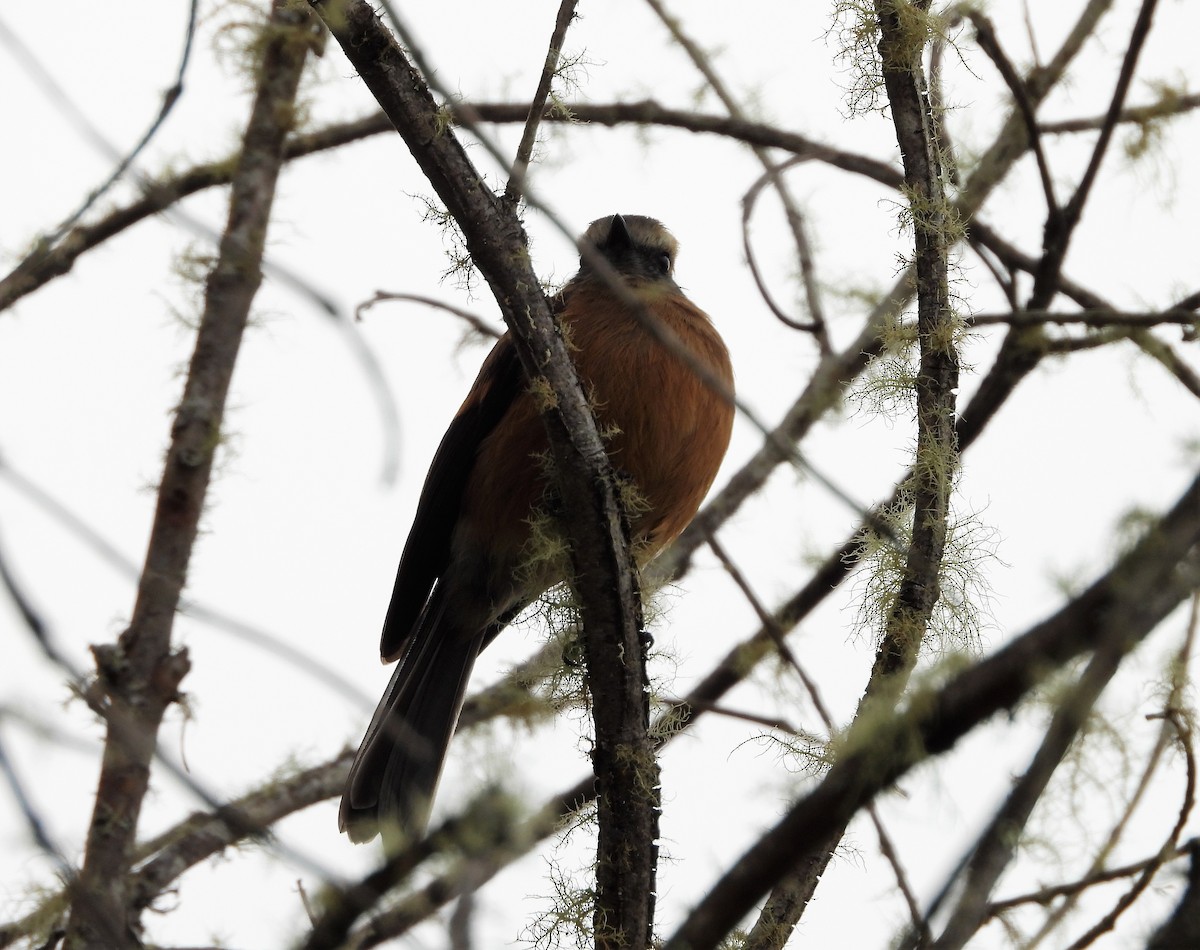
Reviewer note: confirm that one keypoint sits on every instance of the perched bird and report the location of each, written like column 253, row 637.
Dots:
column 466, row 572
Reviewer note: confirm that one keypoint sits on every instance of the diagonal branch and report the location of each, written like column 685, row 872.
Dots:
column 605, row 579
column 140, row 675
column 985, row 36
column 516, row 181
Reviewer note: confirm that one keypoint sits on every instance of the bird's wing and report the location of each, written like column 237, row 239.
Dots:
column 427, row 551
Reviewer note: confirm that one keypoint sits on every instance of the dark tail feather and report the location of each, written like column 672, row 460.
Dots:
column 394, row 775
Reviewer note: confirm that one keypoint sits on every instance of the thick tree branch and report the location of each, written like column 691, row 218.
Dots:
column 139, row 676
column 928, row 489
column 605, row 579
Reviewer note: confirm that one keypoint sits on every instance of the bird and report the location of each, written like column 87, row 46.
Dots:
column 465, row 572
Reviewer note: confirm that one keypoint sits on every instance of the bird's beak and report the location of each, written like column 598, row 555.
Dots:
column 618, row 234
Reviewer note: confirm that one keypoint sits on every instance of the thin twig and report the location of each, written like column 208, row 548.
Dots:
column 477, row 323
column 774, row 629
column 1179, row 678
column 1048, row 895
column 123, row 162
column 985, row 36
column 520, row 165
column 791, row 210
column 749, row 200
column 1109, row 920
column 771, row 624
column 997, row 844
column 1170, row 106
column 1099, row 317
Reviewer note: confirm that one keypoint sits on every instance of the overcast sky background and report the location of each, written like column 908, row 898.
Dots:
column 302, row 532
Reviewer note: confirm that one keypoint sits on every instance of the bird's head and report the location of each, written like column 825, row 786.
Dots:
column 640, row 249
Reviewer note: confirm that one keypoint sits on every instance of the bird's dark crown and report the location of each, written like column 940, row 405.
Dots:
column 639, row 248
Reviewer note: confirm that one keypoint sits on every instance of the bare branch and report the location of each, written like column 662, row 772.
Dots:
column 604, row 575
column 1170, row 106
column 1126, row 900
column 476, row 322
column 1098, row 317
column 124, row 163
column 937, row 449
column 516, row 181
column 29, row 276
column 985, row 36
column 1060, row 226
column 140, row 675
column 807, row 271
column 772, row 626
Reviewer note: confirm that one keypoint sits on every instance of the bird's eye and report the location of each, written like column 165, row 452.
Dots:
column 663, row 262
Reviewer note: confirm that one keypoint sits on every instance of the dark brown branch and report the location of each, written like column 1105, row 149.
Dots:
column 1048, row 895
column 139, row 676
column 163, row 859
column 773, row 627
column 1180, row 663
column 1121, row 608
column 605, row 579
column 466, row 874
column 537, row 108
column 937, row 377
column 32, row 274
column 205, row 834
column 124, row 162
column 483, row 831
column 648, row 112
column 476, row 322
column 808, row 274
column 1060, row 225
column 1023, row 348
column 985, row 36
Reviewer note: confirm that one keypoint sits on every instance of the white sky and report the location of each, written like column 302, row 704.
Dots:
column 301, row 536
